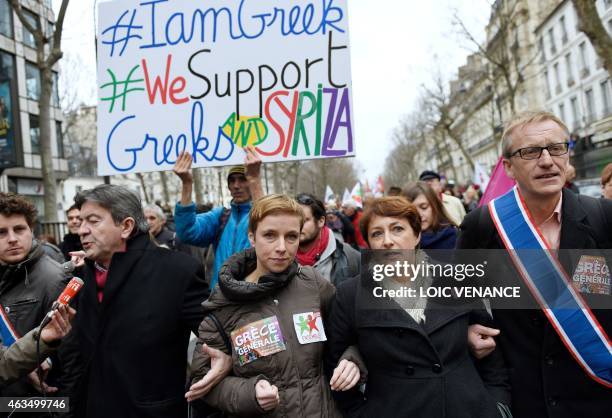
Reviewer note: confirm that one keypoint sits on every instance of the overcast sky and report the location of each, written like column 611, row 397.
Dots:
column 395, row 45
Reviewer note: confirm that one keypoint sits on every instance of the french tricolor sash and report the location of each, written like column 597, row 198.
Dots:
column 549, row 284
column 7, row 332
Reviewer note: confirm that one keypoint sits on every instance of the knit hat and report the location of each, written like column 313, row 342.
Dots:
column 237, row 169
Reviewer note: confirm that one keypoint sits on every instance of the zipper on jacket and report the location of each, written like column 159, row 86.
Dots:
column 275, row 303
column 237, row 223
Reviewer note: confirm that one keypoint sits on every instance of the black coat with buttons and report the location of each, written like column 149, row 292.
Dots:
column 414, row 370
column 546, row 380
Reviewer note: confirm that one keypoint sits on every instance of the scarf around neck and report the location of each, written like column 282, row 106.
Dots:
column 310, row 257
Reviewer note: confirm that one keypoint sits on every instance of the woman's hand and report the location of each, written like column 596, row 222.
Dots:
column 267, row 395
column 345, row 376
column 481, row 341
column 220, row 366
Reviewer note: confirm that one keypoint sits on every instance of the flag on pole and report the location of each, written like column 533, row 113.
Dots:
column 379, row 188
column 357, row 195
column 499, row 184
column 366, row 188
column 480, row 176
column 347, row 195
column 329, row 194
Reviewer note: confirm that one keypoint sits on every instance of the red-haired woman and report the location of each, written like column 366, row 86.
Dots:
column 417, row 356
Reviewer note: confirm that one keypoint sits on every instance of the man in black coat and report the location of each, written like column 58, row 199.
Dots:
column 546, row 380
column 136, row 310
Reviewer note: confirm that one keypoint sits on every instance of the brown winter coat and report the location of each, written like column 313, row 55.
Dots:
column 297, row 371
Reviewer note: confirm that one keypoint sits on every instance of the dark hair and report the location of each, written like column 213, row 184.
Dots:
column 119, row 200
column 440, row 217
column 14, row 204
column 394, row 191
column 71, row 208
column 48, row 238
column 316, row 206
column 392, row 207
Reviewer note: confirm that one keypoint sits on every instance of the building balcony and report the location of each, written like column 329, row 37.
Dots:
column 590, row 118
column 585, row 72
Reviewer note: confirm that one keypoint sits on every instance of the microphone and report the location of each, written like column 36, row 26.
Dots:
column 68, row 267
column 72, row 288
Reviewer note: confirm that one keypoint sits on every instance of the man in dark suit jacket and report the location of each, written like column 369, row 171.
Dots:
column 136, row 310
column 546, row 380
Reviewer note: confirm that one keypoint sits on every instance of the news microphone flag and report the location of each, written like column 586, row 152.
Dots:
column 72, row 288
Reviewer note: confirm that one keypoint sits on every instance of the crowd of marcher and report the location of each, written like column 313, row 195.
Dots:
column 264, row 308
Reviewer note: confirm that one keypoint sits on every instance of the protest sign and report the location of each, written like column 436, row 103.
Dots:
column 210, row 77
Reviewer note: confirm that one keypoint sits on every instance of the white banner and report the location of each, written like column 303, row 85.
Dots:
column 211, row 77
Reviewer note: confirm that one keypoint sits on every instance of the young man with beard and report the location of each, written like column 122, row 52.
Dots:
column 319, row 247
column 72, row 241
column 30, row 282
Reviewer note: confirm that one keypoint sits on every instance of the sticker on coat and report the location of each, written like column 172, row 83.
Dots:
column 592, row 276
column 258, row 339
column 309, row 327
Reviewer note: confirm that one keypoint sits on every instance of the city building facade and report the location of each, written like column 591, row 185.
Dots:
column 20, row 85
column 577, row 87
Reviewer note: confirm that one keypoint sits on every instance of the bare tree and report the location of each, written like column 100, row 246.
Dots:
column 48, row 53
column 198, row 186
column 337, row 173
column 143, row 184
column 438, row 99
column 503, row 50
column 591, row 25
column 407, row 139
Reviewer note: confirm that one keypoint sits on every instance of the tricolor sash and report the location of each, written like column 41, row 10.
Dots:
column 7, row 332
column 549, row 284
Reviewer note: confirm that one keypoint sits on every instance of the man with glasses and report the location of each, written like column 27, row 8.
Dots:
column 548, row 377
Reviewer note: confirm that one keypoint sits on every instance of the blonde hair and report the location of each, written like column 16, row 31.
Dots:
column 274, row 204
column 522, row 119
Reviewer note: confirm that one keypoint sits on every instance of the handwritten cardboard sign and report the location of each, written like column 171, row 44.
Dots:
column 211, row 77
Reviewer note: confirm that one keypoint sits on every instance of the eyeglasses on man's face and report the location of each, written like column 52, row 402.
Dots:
column 534, row 153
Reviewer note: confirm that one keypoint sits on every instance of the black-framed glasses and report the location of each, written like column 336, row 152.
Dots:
column 534, row 153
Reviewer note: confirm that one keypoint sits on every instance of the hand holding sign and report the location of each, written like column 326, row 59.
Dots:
column 252, row 163
column 267, row 395
column 182, row 167
column 345, row 377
